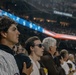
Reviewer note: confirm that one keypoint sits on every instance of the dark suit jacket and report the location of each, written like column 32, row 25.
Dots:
column 48, row 62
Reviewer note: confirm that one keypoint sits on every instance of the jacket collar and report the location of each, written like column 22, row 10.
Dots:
column 47, row 53
column 6, row 49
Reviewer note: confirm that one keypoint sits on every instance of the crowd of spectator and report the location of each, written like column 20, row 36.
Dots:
column 32, row 56
column 35, row 54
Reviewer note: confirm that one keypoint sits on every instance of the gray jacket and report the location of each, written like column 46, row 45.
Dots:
column 8, row 64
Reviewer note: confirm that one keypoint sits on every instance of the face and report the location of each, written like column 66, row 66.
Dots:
column 73, row 58
column 38, row 48
column 66, row 57
column 20, row 49
column 12, row 35
column 53, row 49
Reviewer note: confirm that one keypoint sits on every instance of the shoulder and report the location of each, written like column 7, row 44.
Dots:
column 47, row 57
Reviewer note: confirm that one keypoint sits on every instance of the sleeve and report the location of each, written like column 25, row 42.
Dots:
column 49, row 64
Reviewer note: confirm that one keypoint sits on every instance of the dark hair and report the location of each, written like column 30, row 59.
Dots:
column 30, row 42
column 5, row 23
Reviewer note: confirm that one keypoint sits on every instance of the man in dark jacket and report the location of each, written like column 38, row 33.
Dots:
column 49, row 44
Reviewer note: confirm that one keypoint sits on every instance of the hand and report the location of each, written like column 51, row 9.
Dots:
column 73, row 70
column 27, row 71
column 71, row 73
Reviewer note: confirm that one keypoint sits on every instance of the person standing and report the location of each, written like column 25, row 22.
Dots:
column 35, row 50
column 9, row 36
column 49, row 44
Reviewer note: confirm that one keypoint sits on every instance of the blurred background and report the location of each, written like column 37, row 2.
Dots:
column 58, row 16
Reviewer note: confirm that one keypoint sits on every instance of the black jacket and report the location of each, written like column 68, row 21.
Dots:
column 20, row 59
column 49, row 63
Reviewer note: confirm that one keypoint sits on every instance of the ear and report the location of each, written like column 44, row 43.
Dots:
column 31, row 48
column 4, row 34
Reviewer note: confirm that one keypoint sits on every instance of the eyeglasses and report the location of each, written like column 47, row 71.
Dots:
column 39, row 45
